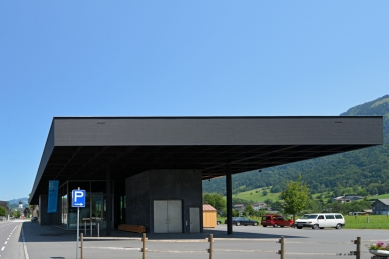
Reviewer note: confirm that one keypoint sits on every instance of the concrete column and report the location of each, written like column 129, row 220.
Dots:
column 44, row 217
column 109, row 200
column 229, row 198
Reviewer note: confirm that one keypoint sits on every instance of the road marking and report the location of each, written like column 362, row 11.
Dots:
column 5, row 242
column 2, row 248
column 24, row 246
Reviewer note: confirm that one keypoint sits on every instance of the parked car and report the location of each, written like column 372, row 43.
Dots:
column 275, row 221
column 218, row 222
column 34, row 219
column 243, row 221
column 321, row 220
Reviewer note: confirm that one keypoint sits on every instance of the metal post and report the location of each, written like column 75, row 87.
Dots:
column 282, row 251
column 210, row 245
column 91, row 227
column 78, row 228
column 144, row 246
column 82, row 246
column 109, row 199
column 229, row 198
column 84, row 228
column 358, row 248
column 98, row 230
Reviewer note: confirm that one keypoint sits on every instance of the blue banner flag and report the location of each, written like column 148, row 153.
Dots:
column 53, row 196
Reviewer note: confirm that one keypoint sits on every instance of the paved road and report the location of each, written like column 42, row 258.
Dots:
column 11, row 246
column 248, row 242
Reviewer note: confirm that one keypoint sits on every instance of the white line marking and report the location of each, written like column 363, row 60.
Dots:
column 24, row 246
column 5, row 242
column 2, row 248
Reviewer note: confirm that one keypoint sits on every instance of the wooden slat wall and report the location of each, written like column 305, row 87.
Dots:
column 209, row 219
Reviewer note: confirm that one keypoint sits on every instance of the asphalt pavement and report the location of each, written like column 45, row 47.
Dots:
column 247, row 241
column 11, row 245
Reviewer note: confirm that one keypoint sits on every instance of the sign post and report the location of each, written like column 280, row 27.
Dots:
column 78, row 201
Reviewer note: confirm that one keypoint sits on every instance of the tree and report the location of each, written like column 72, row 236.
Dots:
column 2, row 211
column 277, row 206
column 249, row 210
column 17, row 214
column 215, row 200
column 296, row 197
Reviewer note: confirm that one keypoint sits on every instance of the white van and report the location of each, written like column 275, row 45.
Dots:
column 321, row 220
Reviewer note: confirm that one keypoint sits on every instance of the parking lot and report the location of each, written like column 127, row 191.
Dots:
column 250, row 241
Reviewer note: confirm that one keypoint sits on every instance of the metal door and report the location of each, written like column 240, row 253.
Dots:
column 194, row 218
column 160, row 217
column 174, row 216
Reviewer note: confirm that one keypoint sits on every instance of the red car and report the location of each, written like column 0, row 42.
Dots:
column 275, row 221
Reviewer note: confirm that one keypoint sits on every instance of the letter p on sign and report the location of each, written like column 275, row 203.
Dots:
column 78, row 198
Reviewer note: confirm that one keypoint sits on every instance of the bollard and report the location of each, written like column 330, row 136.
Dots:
column 82, row 246
column 358, row 248
column 98, row 231
column 210, row 246
column 144, row 246
column 282, row 251
column 368, row 219
column 357, row 253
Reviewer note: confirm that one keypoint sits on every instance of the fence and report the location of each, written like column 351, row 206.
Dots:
column 282, row 251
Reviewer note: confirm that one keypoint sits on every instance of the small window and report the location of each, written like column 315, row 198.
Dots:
column 338, row 216
column 320, row 217
column 330, row 217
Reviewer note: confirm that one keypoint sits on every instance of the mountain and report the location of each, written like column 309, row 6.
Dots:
column 362, row 172
column 16, row 201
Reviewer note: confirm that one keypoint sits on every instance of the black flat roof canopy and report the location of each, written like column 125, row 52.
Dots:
column 80, row 148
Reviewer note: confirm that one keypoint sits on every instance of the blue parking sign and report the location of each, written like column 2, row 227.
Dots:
column 78, row 198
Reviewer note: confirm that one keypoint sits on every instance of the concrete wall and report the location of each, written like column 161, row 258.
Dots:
column 44, row 217
column 142, row 189
column 138, row 200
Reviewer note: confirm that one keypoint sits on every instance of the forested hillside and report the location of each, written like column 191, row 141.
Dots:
column 362, row 172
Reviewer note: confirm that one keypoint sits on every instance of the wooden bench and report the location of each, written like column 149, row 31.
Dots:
column 132, row 228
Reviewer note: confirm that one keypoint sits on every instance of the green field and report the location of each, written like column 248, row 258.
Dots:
column 382, row 196
column 257, row 196
column 355, row 222
column 367, row 222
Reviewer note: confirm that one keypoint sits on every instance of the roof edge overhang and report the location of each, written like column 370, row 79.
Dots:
column 81, row 136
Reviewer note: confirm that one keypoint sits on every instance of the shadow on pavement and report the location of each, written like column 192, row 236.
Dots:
column 33, row 232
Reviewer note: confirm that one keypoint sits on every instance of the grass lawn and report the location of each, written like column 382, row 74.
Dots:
column 257, row 197
column 352, row 222
column 361, row 222
column 382, row 196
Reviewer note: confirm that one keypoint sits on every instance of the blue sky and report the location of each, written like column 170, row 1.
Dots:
column 157, row 58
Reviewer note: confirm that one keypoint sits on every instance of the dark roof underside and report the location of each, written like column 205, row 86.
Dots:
column 79, row 149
